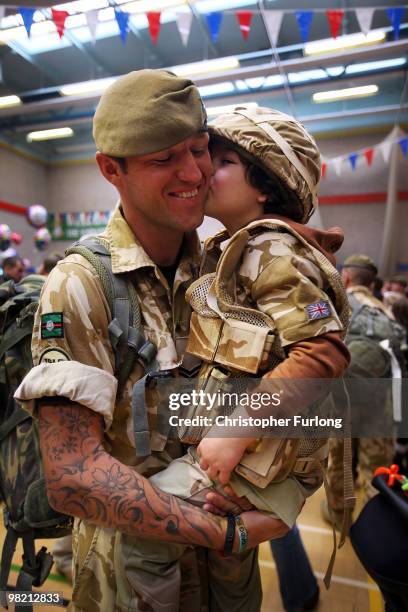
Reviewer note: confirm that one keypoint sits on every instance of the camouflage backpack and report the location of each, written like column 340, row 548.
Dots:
column 27, row 513
column 375, row 343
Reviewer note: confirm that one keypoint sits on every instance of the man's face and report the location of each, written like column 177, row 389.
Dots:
column 167, row 189
column 15, row 272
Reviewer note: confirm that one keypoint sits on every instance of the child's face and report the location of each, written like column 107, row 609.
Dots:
column 231, row 199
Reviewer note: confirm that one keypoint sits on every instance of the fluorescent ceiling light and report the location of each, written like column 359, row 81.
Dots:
column 334, row 71
column 97, row 85
column 220, row 110
column 307, row 75
column 342, row 94
column 217, row 88
column 341, row 43
column 379, row 65
column 6, row 101
column 64, row 132
column 206, row 66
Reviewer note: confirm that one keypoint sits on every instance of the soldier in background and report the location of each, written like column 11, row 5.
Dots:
column 13, row 269
column 358, row 273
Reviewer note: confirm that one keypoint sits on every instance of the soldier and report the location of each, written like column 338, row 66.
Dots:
column 359, row 272
column 151, row 135
column 13, row 269
column 266, row 172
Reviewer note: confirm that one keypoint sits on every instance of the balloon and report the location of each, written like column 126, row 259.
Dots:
column 10, row 252
column 37, row 215
column 16, row 238
column 5, row 237
column 42, row 238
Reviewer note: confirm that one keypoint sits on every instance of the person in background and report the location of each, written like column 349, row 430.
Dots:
column 13, row 269
column 49, row 263
column 400, row 312
column 358, row 273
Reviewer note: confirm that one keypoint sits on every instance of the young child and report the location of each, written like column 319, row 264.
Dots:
column 266, row 174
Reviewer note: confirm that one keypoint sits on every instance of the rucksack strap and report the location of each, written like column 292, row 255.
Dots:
column 128, row 343
column 18, row 416
column 9, row 547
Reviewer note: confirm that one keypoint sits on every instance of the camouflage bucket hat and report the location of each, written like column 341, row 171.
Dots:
column 279, row 144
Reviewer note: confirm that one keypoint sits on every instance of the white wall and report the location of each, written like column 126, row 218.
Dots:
column 22, row 182
column 80, row 187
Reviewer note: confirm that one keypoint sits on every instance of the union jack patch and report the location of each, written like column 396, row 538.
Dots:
column 318, row 310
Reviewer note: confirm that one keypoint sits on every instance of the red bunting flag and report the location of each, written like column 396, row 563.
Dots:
column 244, row 20
column 59, row 18
column 334, row 18
column 368, row 154
column 153, row 17
column 324, row 169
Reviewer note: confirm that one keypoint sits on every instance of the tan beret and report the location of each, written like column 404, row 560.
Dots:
column 147, row 111
column 360, row 261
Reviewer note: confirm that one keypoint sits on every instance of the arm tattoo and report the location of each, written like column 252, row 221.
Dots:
column 85, row 481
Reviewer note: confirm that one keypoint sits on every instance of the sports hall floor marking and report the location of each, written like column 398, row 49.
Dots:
column 338, row 579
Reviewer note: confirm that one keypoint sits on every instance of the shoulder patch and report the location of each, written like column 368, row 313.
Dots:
column 318, row 310
column 52, row 325
column 53, row 355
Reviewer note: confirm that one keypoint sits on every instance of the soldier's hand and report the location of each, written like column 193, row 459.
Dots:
column 260, row 528
column 219, row 456
column 217, row 503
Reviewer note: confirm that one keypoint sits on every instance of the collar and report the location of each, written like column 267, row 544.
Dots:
column 127, row 254
column 359, row 289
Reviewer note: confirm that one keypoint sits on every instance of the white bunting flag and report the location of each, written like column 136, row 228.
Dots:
column 184, row 20
column 386, row 149
column 273, row 20
column 337, row 161
column 92, row 22
column 365, row 18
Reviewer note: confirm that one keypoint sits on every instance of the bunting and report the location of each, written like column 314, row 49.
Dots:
column 244, row 20
column 304, row 19
column 365, row 18
column 404, row 145
column 368, row 154
column 214, row 23
column 59, row 18
column 122, row 19
column 28, row 16
column 353, row 160
column 386, row 150
column 153, row 17
column 334, row 17
column 184, row 21
column 92, row 22
column 384, row 146
column 395, row 17
column 273, row 20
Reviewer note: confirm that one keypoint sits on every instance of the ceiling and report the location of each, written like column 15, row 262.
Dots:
column 284, row 78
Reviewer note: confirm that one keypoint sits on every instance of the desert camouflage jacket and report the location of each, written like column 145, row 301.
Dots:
column 71, row 347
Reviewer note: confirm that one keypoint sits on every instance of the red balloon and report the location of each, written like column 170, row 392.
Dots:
column 16, row 238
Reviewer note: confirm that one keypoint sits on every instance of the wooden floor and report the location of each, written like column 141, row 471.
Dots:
column 351, row 589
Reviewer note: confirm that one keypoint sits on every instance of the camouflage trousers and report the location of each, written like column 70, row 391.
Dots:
column 115, row 572
column 153, row 568
column 372, row 453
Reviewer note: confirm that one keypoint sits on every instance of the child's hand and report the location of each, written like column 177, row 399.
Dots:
column 219, row 456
